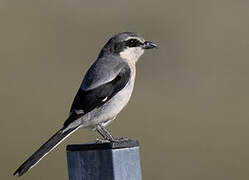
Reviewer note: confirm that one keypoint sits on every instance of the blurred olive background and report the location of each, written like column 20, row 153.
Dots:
column 189, row 109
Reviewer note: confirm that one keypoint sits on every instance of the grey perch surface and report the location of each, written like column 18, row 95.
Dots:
column 102, row 146
column 104, row 161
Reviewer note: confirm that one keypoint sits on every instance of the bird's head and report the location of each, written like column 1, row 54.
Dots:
column 127, row 45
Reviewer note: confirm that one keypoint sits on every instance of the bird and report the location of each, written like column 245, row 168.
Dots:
column 104, row 92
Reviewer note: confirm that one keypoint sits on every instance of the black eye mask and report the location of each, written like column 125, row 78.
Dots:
column 117, row 47
column 133, row 43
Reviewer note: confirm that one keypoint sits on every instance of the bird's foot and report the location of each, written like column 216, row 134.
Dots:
column 119, row 139
column 101, row 141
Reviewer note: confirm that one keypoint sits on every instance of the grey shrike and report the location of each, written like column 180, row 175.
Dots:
column 104, row 92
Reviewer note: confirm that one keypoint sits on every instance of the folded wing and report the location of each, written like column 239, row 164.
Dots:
column 87, row 100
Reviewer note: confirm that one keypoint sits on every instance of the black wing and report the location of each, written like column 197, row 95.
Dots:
column 86, row 101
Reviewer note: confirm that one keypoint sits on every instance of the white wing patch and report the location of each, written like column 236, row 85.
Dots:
column 105, row 99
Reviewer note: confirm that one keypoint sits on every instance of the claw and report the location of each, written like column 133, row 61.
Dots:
column 101, row 141
column 119, row 139
column 122, row 139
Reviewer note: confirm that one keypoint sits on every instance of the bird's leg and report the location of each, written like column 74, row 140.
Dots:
column 105, row 133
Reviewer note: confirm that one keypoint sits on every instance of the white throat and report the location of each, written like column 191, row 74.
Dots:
column 132, row 54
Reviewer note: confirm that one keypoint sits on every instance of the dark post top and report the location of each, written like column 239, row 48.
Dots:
column 102, row 160
column 103, row 145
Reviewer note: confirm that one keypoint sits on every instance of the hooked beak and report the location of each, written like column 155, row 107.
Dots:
column 148, row 45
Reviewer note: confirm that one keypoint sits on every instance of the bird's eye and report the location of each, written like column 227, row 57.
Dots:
column 133, row 43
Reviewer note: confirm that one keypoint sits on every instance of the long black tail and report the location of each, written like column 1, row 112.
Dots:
column 43, row 150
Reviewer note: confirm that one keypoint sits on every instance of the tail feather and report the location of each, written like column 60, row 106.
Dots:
column 48, row 146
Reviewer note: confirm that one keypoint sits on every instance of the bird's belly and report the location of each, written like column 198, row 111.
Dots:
column 110, row 109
